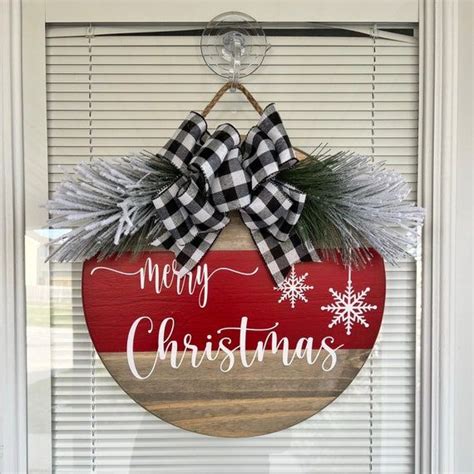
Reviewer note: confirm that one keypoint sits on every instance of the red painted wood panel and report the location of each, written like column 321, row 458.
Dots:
column 226, row 287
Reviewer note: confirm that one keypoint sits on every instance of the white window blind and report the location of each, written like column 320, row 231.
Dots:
column 113, row 94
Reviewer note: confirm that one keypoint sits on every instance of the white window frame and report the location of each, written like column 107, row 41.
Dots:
column 435, row 431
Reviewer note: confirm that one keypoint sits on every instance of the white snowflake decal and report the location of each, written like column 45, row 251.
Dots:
column 293, row 287
column 349, row 307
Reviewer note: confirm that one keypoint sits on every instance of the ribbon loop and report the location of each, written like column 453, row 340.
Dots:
column 231, row 189
column 203, row 215
column 191, row 221
column 271, row 124
column 260, row 157
column 174, row 217
column 210, row 157
column 179, row 150
column 268, row 206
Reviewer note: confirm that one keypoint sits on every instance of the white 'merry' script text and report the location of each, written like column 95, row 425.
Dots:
column 168, row 276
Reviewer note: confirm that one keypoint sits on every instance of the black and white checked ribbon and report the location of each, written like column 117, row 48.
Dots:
column 218, row 174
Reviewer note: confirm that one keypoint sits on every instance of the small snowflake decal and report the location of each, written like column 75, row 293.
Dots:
column 293, row 287
column 349, row 307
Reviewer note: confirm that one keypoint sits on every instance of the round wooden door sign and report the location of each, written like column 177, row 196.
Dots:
column 223, row 351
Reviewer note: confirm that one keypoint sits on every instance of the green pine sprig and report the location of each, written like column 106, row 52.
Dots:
column 354, row 204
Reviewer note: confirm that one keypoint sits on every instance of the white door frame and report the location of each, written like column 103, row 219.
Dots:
column 438, row 158
column 438, row 111
column 13, row 424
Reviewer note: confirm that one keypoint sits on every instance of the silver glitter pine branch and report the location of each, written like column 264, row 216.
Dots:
column 107, row 206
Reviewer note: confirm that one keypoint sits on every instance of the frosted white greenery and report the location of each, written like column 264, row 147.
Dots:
column 353, row 203
column 108, row 206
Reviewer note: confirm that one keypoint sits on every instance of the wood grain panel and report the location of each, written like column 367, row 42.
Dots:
column 252, row 401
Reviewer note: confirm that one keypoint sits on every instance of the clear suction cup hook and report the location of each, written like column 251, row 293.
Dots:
column 233, row 45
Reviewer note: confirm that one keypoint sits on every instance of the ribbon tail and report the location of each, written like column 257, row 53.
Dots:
column 280, row 256
column 190, row 254
column 167, row 241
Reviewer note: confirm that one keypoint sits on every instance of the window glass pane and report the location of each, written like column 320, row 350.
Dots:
column 115, row 94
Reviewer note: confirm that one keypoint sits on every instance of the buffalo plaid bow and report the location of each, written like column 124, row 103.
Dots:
column 217, row 176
